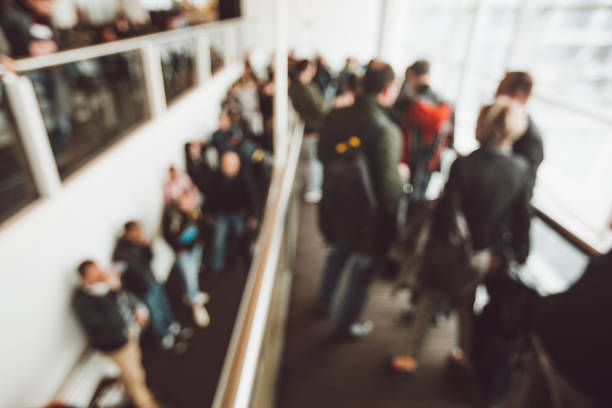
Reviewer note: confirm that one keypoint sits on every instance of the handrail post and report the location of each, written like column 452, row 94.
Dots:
column 33, row 133
column 202, row 59
column 281, row 97
column 154, row 80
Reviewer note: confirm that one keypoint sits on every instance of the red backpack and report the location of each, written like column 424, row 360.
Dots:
column 426, row 131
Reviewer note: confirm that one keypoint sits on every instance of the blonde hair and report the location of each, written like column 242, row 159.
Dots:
column 502, row 121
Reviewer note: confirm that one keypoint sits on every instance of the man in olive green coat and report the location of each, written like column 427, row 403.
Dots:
column 364, row 253
column 309, row 103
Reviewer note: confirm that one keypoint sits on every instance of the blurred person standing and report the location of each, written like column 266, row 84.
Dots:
column 427, row 127
column 481, row 224
column 177, row 183
column 181, row 226
column 134, row 250
column 234, row 204
column 112, row 320
column 359, row 148
column 30, row 32
column 518, row 85
column 309, row 103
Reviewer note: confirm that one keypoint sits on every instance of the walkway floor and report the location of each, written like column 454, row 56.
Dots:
column 190, row 380
column 320, row 373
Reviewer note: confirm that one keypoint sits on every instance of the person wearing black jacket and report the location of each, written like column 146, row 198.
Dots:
column 181, row 224
column 490, row 188
column 575, row 331
column 518, row 86
column 134, row 250
column 112, row 320
column 235, row 204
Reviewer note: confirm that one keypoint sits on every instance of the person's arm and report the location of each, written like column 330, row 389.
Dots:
column 521, row 222
column 385, row 158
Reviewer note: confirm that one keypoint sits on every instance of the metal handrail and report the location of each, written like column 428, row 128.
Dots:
column 246, row 341
column 120, row 46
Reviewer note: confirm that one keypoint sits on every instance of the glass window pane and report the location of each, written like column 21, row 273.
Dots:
column 575, row 175
column 178, row 64
column 16, row 184
column 88, row 105
column 217, row 58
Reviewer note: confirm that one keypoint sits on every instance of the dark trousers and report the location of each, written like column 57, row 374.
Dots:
column 362, row 270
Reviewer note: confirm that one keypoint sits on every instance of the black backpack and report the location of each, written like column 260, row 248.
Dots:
column 349, row 199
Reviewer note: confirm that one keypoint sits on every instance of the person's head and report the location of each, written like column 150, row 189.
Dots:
column 230, row 164
column 90, row 272
column 172, row 172
column 225, row 120
column 417, row 74
column 517, row 85
column 305, row 71
column 42, row 8
column 186, row 202
column 379, row 82
column 132, row 231
column 194, row 149
column 501, row 123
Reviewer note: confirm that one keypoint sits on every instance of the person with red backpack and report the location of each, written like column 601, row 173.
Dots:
column 427, row 127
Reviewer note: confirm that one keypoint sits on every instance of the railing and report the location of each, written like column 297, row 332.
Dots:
column 64, row 109
column 252, row 361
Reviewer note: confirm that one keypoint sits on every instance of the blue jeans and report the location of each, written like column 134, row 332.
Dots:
column 226, row 224
column 315, row 168
column 189, row 264
column 161, row 315
column 363, row 268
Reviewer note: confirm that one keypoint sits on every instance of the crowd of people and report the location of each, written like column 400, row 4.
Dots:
column 373, row 145
column 210, row 219
column 39, row 27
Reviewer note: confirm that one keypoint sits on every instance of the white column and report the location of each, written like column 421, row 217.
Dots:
column 384, row 9
column 202, row 62
column 471, row 47
column 281, row 97
column 154, row 80
column 33, row 134
column 229, row 44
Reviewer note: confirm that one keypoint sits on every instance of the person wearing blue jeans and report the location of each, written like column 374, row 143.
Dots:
column 227, row 224
column 362, row 270
column 234, row 202
column 133, row 255
column 181, row 229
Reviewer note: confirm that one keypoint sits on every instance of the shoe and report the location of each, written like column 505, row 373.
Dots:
column 356, row 331
column 402, row 365
column 167, row 342
column 362, row 329
column 313, row 196
column 175, row 328
column 200, row 315
column 185, row 334
column 201, row 298
column 179, row 348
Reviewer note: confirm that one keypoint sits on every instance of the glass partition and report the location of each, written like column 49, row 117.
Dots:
column 178, row 64
column 217, row 56
column 88, row 105
column 16, row 184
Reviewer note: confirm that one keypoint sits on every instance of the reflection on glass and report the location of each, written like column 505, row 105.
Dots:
column 178, row 62
column 217, row 59
column 16, row 184
column 90, row 104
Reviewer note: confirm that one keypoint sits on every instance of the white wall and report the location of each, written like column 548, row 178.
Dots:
column 335, row 28
column 41, row 247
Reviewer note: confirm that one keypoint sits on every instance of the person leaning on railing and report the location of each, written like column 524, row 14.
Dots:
column 112, row 320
